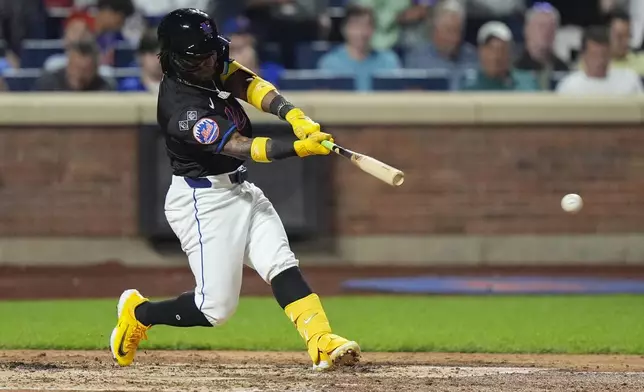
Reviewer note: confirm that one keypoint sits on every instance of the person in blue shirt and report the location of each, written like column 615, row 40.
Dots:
column 147, row 61
column 447, row 49
column 108, row 25
column 357, row 56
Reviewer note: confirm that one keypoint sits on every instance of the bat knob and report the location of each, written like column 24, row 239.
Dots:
column 398, row 179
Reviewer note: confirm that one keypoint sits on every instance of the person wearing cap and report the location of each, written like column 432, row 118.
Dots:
column 542, row 22
column 597, row 76
column 147, row 60
column 496, row 72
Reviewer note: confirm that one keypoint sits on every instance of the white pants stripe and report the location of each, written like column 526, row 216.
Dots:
column 203, row 294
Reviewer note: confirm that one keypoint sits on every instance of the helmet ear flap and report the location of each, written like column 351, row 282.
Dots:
column 223, row 55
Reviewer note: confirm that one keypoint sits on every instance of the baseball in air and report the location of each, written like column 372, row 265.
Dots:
column 572, row 203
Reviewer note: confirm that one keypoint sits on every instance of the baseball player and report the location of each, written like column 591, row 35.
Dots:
column 221, row 220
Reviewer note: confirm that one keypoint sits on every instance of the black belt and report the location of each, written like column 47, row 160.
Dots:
column 238, row 177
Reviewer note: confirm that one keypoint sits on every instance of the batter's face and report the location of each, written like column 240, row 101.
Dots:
column 204, row 68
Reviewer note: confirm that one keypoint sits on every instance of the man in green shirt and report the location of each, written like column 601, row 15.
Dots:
column 620, row 35
column 495, row 56
column 393, row 17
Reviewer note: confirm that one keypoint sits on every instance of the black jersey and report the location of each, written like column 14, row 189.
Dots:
column 197, row 123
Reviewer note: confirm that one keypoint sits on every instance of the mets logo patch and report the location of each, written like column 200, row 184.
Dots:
column 206, row 131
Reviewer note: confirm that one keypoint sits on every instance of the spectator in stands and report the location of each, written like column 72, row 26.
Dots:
column 109, row 22
column 18, row 20
column 620, row 40
column 542, row 22
column 446, row 49
column 496, row 73
column 357, row 56
column 392, row 17
column 80, row 74
column 597, row 75
column 78, row 26
column 148, row 62
column 288, row 23
column 243, row 49
column 414, row 21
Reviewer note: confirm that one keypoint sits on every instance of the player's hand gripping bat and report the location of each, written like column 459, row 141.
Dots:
column 380, row 170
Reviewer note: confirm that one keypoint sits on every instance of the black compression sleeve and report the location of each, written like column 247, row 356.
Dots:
column 280, row 107
column 277, row 149
column 289, row 286
column 179, row 312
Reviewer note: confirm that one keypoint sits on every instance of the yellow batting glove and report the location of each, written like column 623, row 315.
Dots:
column 311, row 145
column 302, row 125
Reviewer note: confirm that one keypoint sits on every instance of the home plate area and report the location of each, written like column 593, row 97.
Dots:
column 281, row 371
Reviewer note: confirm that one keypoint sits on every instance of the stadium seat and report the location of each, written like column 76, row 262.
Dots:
column 35, row 52
column 303, row 80
column 123, row 73
column 556, row 78
column 412, row 79
column 270, row 52
column 124, row 55
column 307, row 55
column 21, row 79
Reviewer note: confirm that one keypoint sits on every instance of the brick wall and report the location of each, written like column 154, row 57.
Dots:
column 68, row 182
column 459, row 180
column 497, row 180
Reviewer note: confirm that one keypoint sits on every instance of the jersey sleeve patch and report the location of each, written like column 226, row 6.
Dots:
column 206, row 131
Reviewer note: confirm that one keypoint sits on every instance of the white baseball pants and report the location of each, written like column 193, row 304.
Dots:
column 222, row 226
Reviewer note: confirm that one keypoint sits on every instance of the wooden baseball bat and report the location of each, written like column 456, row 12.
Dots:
column 380, row 170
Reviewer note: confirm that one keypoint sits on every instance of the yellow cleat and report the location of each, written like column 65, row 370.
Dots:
column 334, row 351
column 129, row 332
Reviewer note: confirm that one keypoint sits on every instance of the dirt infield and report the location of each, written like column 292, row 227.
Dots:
column 110, row 279
column 256, row 371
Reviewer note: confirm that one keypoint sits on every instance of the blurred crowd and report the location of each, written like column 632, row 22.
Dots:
column 569, row 46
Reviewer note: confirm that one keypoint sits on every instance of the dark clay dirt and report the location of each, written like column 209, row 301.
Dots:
column 283, row 371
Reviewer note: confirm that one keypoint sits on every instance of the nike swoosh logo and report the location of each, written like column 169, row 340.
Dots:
column 120, row 350
column 212, row 104
column 308, row 320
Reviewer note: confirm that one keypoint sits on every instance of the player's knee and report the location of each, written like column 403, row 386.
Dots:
column 217, row 313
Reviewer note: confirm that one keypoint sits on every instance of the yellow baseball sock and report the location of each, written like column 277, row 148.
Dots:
column 311, row 322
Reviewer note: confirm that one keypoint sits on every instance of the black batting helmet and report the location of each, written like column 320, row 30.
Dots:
column 186, row 37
